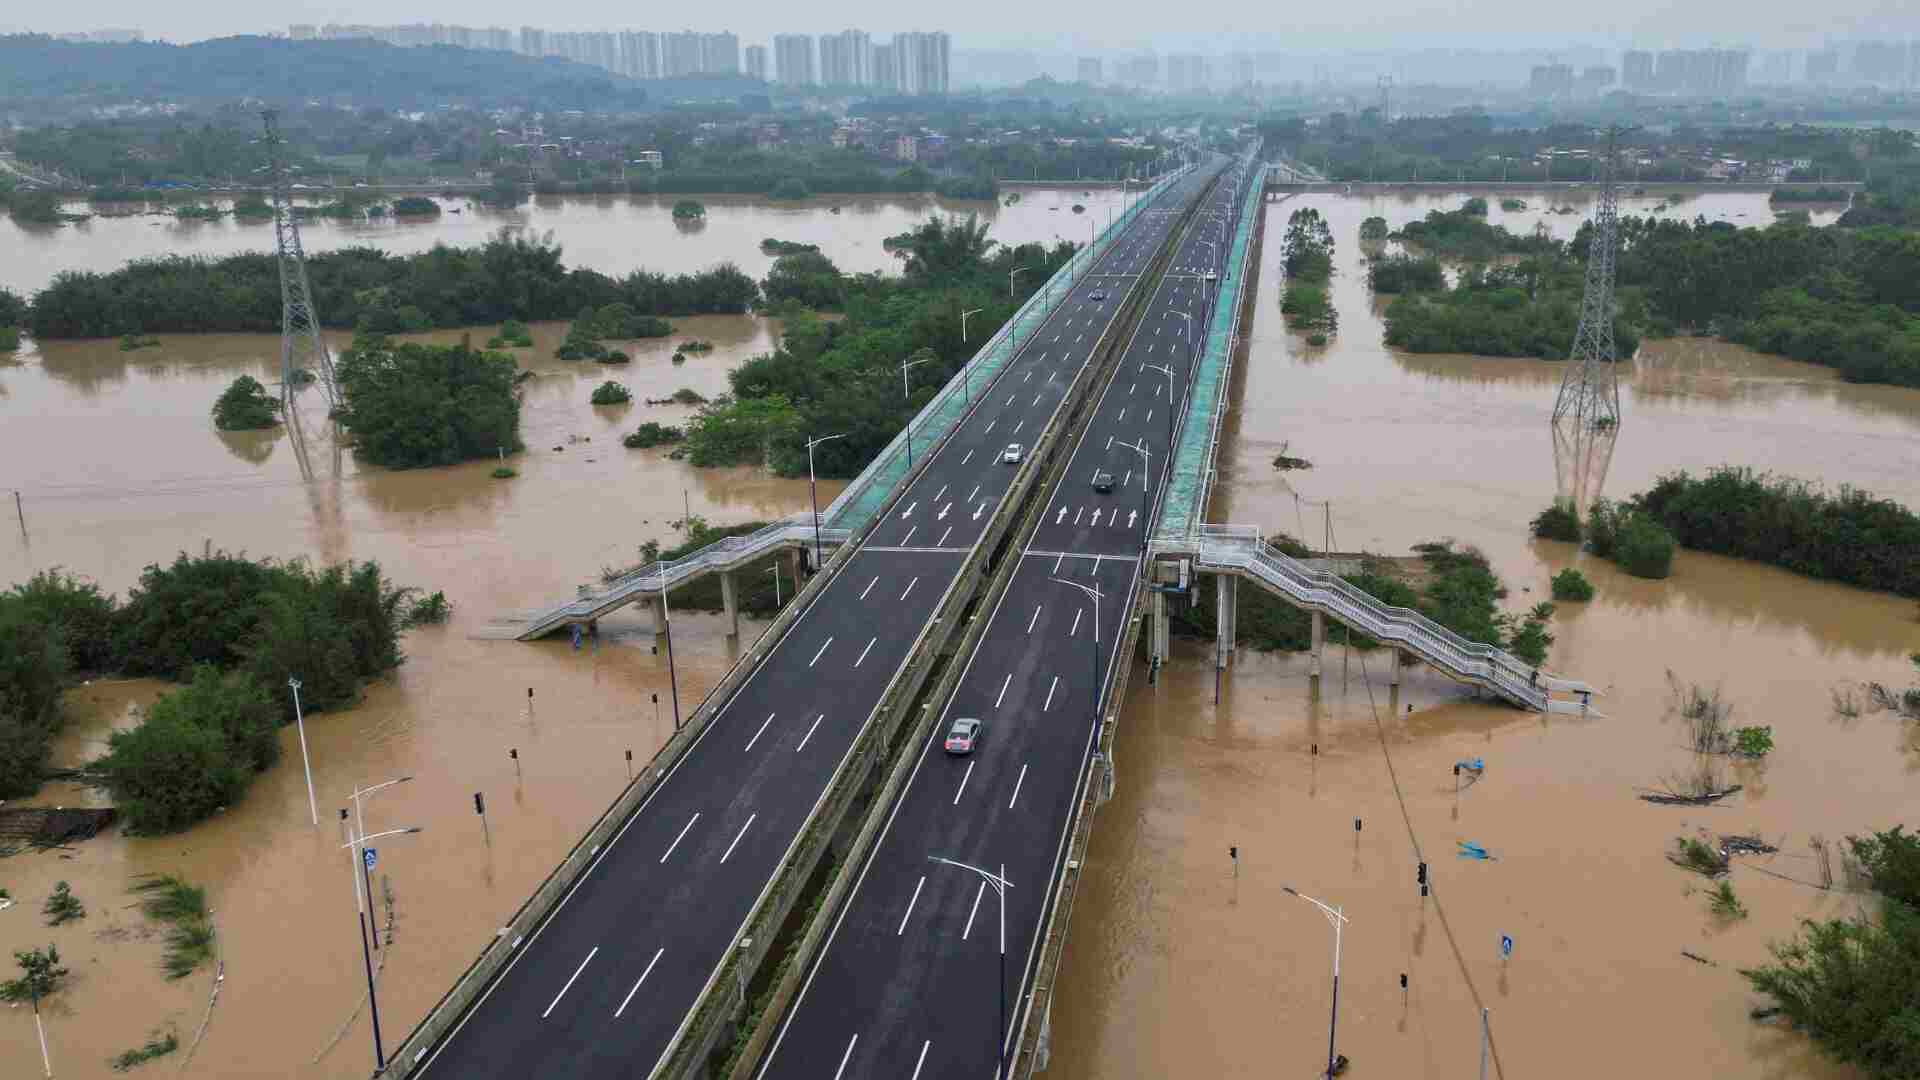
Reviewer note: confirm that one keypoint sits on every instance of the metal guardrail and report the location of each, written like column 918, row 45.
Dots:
column 1242, row 549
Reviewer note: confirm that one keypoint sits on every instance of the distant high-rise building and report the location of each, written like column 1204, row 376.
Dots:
column 1636, row 70
column 1551, row 80
column 1186, row 73
column 1090, row 70
column 886, row 68
column 1776, row 69
column 1140, row 70
column 302, row 32
column 846, row 58
column 1883, row 63
column 720, row 53
column 924, row 60
column 756, row 60
column 1823, row 66
column 793, row 59
column 533, row 41
column 1595, row 79
column 682, row 53
column 1245, row 69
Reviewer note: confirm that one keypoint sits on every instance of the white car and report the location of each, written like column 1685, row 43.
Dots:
column 1013, row 454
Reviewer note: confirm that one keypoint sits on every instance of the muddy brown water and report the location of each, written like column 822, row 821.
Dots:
column 1175, row 967
column 1172, row 969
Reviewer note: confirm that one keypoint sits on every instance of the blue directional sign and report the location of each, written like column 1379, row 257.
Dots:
column 371, row 856
column 1506, row 942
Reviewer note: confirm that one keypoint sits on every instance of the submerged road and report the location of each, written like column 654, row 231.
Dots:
column 601, row 988
column 906, row 985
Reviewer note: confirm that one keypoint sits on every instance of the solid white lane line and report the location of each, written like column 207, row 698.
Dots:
column 649, row 971
column 910, row 585
column 809, row 734
column 976, row 910
column 909, row 536
column 968, row 458
column 823, row 649
column 1076, row 620
column 736, row 839
column 942, row 542
column 846, row 1056
column 908, row 915
column 869, row 648
column 1035, row 619
column 1003, row 690
column 869, row 588
column 569, row 986
column 968, row 775
column 762, row 731
column 1055, row 685
column 677, row 839
column 925, row 1046
column 1016, row 793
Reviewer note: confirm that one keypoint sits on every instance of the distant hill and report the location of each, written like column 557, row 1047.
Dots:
column 36, row 69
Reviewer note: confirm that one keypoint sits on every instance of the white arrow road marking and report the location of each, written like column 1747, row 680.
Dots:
column 978, row 510
column 1062, row 517
column 908, row 512
column 1131, row 514
column 942, row 515
column 1096, row 518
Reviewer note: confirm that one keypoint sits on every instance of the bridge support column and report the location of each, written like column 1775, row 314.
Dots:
column 794, row 559
column 1393, row 667
column 1226, row 622
column 658, row 605
column 1159, row 640
column 1318, row 654
column 730, row 600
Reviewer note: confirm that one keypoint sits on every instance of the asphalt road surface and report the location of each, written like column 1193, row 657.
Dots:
column 603, row 986
column 906, row 987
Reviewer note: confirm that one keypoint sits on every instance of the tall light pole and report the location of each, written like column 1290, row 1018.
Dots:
column 815, row 492
column 1010, row 277
column 360, row 826
column 1093, row 595
column 355, row 843
column 1168, row 372
column 963, row 322
column 300, row 722
column 966, row 369
column 1000, row 886
column 1146, row 466
column 1336, row 920
column 904, row 393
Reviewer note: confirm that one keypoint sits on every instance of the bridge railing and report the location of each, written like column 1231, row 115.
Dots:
column 1221, row 547
column 864, row 495
column 666, row 573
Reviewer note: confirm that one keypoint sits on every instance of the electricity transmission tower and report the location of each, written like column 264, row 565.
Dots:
column 1586, row 413
column 302, row 354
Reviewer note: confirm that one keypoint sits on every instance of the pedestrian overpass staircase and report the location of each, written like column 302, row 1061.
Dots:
column 1241, row 550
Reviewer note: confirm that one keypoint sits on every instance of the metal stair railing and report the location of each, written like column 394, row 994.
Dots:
column 667, row 573
column 1483, row 665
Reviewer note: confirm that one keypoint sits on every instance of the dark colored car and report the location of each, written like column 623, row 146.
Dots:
column 1098, row 295
column 1102, row 481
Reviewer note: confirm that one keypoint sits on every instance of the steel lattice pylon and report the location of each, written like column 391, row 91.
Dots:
column 302, row 353
column 1586, row 412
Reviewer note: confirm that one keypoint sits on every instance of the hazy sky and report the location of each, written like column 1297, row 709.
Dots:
column 1079, row 25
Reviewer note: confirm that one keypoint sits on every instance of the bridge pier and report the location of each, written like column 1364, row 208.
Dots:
column 1318, row 655
column 1393, row 668
column 1226, row 628
column 796, row 557
column 1161, row 640
column 730, row 600
column 657, row 604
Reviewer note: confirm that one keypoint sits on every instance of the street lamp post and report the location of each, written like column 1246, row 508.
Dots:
column 906, row 394
column 815, row 493
column 1336, row 920
column 963, row 322
column 1168, row 372
column 313, row 811
column 355, row 844
column 1000, row 886
column 1093, row 595
column 360, row 826
column 1010, row 277
column 1146, row 466
column 666, row 627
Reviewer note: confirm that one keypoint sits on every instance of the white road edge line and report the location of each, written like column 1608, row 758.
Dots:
column 908, row 915
column 1010, row 802
column 736, row 839
column 809, row 734
column 569, row 986
column 682, row 836
column 649, row 971
column 762, row 731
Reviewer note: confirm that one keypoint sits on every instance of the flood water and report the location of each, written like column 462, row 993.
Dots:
column 1176, row 966
column 1173, row 969
column 614, row 234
